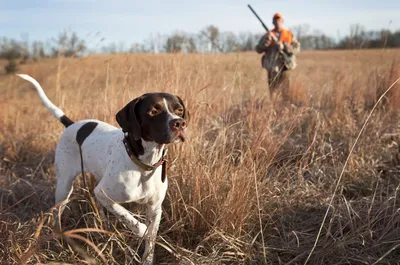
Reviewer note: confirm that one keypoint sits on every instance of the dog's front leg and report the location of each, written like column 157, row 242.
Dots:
column 122, row 214
column 153, row 217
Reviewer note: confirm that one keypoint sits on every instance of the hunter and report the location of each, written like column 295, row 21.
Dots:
column 277, row 70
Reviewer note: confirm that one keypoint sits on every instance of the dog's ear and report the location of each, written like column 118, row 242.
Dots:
column 185, row 110
column 128, row 120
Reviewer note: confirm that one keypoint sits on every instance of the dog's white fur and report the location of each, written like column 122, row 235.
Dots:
column 119, row 179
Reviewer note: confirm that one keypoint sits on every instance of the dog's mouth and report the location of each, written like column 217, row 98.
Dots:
column 180, row 136
column 175, row 137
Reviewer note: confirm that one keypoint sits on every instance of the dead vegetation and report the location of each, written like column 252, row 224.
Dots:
column 252, row 183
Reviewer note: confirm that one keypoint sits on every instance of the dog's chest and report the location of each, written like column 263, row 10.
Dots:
column 138, row 187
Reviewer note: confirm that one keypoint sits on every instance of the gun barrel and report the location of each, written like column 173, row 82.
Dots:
column 262, row 23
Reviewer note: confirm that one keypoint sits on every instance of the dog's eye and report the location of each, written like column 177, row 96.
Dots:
column 179, row 111
column 153, row 112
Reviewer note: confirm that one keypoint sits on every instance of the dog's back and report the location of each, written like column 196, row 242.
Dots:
column 96, row 134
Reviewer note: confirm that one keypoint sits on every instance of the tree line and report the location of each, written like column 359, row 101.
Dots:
column 210, row 39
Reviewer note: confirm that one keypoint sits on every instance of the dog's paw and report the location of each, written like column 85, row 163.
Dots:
column 140, row 229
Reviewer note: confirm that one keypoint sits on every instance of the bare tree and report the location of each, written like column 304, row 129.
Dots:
column 38, row 50
column 300, row 31
column 175, row 43
column 181, row 42
column 247, row 41
column 68, row 44
column 229, row 42
column 110, row 48
column 137, row 48
column 357, row 36
column 212, row 34
column 11, row 49
column 191, row 45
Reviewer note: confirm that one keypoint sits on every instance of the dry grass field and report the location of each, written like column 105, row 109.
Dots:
column 252, row 183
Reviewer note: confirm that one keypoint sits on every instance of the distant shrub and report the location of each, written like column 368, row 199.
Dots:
column 11, row 67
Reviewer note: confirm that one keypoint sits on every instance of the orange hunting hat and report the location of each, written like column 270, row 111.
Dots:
column 277, row 15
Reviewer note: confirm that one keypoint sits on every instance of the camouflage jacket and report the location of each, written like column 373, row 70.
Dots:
column 272, row 59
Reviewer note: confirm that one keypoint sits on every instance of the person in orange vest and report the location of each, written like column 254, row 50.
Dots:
column 273, row 61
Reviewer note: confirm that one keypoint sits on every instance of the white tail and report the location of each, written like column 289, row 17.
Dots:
column 58, row 113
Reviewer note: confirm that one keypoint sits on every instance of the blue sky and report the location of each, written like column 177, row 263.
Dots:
column 133, row 21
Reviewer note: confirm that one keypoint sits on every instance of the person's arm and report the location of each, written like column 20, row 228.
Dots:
column 262, row 44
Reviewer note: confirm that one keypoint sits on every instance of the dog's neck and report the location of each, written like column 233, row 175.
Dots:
column 146, row 151
column 152, row 152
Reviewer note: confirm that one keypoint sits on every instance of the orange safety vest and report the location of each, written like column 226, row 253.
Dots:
column 286, row 36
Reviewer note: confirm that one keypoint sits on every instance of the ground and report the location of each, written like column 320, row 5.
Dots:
column 257, row 182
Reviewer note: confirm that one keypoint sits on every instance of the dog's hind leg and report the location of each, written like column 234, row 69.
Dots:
column 67, row 168
column 64, row 187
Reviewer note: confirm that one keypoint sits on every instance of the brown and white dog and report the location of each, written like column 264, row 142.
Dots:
column 125, row 162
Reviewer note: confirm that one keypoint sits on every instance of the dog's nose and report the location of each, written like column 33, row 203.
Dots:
column 177, row 124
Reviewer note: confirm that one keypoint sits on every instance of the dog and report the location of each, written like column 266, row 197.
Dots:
column 128, row 163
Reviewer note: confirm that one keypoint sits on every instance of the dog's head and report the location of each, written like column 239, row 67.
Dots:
column 157, row 117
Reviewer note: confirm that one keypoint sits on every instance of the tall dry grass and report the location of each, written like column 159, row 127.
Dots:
column 252, row 183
